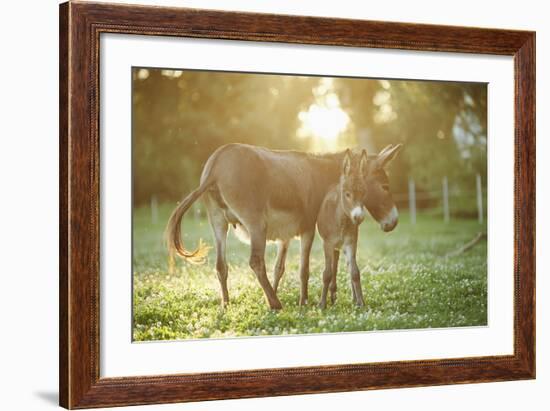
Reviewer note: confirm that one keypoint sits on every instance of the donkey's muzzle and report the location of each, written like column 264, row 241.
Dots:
column 386, row 227
column 390, row 221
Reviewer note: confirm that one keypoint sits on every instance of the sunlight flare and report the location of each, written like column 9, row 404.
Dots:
column 324, row 122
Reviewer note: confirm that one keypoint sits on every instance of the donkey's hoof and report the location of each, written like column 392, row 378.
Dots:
column 275, row 305
column 322, row 305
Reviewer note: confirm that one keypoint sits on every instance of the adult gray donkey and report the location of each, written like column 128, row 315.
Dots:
column 272, row 195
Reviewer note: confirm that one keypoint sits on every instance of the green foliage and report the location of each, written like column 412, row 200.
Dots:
column 407, row 282
column 181, row 117
column 179, row 121
column 443, row 126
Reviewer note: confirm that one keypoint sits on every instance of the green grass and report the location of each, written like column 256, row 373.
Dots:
column 407, row 283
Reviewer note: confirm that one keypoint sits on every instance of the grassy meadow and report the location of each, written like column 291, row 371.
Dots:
column 407, row 283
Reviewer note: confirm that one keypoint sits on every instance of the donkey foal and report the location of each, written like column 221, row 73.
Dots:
column 341, row 213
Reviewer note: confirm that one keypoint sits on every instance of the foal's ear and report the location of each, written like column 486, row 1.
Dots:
column 363, row 163
column 388, row 154
column 346, row 164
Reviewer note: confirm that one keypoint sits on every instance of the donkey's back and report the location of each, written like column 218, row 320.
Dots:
column 279, row 189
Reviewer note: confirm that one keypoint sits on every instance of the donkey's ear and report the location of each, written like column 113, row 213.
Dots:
column 346, row 164
column 363, row 163
column 388, row 154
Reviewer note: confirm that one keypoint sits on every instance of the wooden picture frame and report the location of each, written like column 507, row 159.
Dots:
column 80, row 27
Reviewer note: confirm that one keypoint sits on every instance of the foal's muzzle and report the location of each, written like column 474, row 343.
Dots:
column 357, row 215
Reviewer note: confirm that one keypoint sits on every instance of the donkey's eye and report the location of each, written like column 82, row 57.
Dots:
column 386, row 187
column 347, row 194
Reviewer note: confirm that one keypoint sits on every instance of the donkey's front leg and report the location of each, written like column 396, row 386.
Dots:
column 328, row 274
column 350, row 251
column 306, row 241
column 333, row 285
column 257, row 263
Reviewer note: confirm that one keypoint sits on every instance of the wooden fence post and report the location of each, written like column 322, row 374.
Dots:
column 479, row 199
column 154, row 210
column 446, row 214
column 412, row 201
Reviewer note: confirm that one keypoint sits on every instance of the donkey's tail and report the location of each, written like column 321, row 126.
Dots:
column 172, row 233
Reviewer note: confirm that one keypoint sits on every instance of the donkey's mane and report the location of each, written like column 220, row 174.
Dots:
column 329, row 156
column 306, row 154
column 313, row 155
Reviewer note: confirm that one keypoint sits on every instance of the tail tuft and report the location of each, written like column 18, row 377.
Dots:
column 172, row 235
column 197, row 256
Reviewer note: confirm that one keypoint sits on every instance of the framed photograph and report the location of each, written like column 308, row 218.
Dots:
column 259, row 205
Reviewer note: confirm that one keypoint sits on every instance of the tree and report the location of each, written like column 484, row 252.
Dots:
column 181, row 117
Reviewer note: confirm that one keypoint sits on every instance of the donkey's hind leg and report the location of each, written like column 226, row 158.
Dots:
column 257, row 263
column 282, row 248
column 219, row 228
